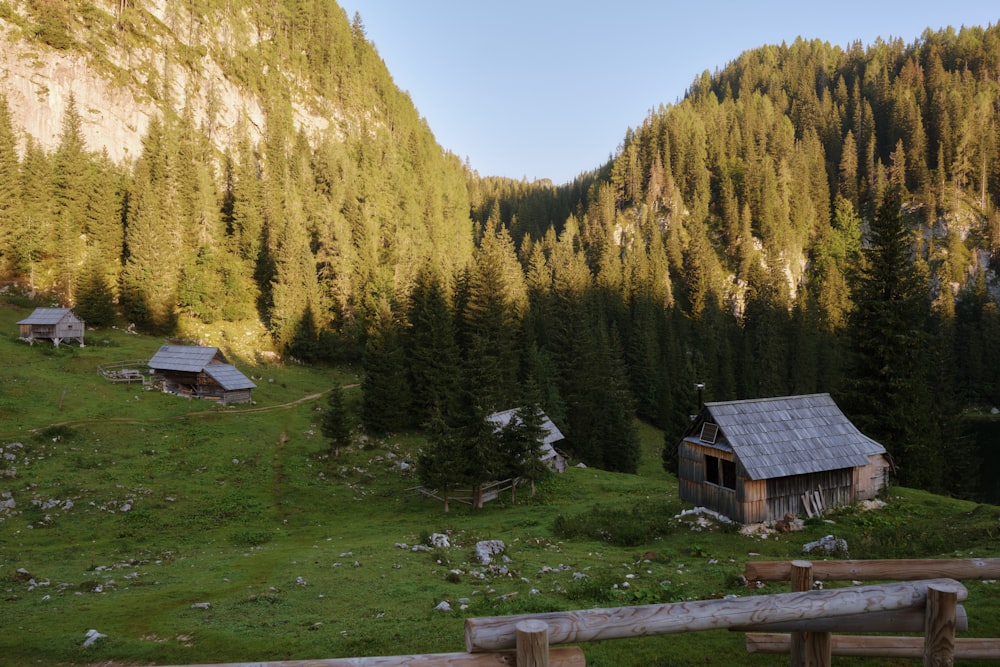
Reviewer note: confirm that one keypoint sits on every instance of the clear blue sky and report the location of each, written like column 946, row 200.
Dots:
column 547, row 88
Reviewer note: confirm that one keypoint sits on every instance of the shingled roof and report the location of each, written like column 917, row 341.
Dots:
column 228, row 377
column 195, row 359
column 186, row 358
column 791, row 435
column 46, row 316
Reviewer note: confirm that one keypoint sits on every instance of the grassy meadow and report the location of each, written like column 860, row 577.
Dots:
column 189, row 532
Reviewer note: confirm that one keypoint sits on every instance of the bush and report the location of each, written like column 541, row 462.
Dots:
column 616, row 526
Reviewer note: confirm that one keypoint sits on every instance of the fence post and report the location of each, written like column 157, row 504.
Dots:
column 802, row 580
column 532, row 643
column 939, row 633
column 809, row 649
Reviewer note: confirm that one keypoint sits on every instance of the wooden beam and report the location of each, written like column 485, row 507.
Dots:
column 879, row 570
column 939, row 636
column 532, row 644
column 802, row 580
column 497, row 633
column 558, row 657
column 966, row 648
column 902, row 620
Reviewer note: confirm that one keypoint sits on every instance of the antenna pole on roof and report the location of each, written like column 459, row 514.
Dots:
column 699, row 386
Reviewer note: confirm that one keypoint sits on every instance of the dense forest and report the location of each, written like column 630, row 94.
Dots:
column 809, row 218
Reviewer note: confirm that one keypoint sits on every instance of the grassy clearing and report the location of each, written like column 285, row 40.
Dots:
column 192, row 533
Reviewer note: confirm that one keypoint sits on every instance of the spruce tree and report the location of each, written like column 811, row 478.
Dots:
column 521, row 442
column 33, row 240
column 497, row 299
column 432, row 352
column 888, row 395
column 10, row 200
column 71, row 190
column 385, row 387
column 438, row 466
column 94, row 296
column 336, row 424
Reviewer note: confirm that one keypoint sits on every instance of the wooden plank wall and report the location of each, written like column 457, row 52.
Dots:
column 784, row 494
column 692, row 486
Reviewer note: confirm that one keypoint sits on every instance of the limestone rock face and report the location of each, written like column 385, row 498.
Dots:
column 118, row 88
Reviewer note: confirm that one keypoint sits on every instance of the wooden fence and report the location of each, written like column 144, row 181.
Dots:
column 928, row 605
column 124, row 371
column 470, row 496
column 802, row 642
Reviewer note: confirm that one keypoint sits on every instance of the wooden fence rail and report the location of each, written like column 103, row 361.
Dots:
column 969, row 648
column 498, row 633
column 938, row 617
column 961, row 569
column 557, row 657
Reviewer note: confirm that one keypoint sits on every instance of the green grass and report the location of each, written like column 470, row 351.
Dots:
column 175, row 503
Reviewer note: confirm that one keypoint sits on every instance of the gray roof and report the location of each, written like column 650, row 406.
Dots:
column 552, row 434
column 790, row 435
column 195, row 359
column 187, row 358
column 46, row 316
column 228, row 377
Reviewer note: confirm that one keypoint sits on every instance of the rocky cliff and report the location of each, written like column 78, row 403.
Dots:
column 121, row 71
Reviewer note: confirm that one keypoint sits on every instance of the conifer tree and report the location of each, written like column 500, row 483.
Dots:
column 103, row 224
column 154, row 238
column 71, row 191
column 497, row 299
column 385, row 387
column 9, row 196
column 32, row 241
column 432, row 352
column 336, row 425
column 888, row 395
column 439, row 466
column 521, row 442
column 94, row 296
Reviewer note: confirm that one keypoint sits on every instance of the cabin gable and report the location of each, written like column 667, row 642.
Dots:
column 755, row 460
column 52, row 324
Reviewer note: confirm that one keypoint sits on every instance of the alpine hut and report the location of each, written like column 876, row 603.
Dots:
column 757, row 460
column 200, row 372
column 547, row 451
column 54, row 324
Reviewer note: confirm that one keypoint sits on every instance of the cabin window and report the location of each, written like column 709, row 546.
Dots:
column 728, row 473
column 711, row 469
column 720, row 472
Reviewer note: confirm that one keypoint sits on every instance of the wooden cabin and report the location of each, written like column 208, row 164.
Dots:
column 52, row 324
column 756, row 460
column 199, row 372
column 547, row 451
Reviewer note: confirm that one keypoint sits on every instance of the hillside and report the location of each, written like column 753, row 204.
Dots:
column 808, row 219
column 290, row 173
column 189, row 533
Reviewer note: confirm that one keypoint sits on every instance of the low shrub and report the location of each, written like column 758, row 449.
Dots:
column 623, row 527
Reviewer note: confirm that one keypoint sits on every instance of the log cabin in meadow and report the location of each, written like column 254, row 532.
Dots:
column 53, row 324
column 757, row 460
column 199, row 372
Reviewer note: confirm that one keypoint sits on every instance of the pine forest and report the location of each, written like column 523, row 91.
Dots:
column 807, row 219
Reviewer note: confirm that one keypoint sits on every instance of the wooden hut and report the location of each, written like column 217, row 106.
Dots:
column 53, row 324
column 547, row 451
column 200, row 372
column 756, row 460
